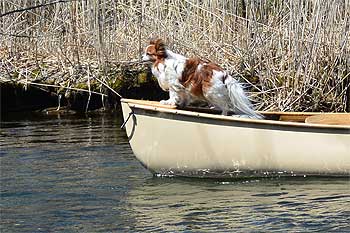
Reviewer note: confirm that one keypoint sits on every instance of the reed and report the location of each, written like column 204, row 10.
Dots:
column 295, row 55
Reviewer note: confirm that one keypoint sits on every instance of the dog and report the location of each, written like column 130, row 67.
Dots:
column 194, row 79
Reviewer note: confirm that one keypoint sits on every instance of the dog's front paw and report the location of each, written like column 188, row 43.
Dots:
column 168, row 102
column 243, row 116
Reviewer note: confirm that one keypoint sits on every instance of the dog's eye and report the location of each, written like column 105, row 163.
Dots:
column 149, row 54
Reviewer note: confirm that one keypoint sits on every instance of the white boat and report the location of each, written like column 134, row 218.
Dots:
column 197, row 142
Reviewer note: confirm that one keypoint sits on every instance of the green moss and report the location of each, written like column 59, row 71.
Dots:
column 94, row 85
column 116, row 83
column 36, row 73
column 142, row 78
column 81, row 85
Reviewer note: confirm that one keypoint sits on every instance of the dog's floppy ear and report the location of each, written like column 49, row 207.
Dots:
column 156, row 41
column 159, row 46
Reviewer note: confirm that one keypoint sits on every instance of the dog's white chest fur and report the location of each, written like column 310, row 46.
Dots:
column 159, row 72
column 169, row 73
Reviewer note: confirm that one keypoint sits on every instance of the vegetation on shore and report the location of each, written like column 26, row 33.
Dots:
column 293, row 55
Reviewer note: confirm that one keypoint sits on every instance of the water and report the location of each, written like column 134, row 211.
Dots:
column 78, row 174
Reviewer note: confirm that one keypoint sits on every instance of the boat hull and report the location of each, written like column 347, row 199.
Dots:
column 174, row 142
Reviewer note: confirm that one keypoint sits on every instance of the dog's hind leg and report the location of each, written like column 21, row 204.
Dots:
column 217, row 95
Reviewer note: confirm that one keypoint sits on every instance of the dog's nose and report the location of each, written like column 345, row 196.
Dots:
column 144, row 57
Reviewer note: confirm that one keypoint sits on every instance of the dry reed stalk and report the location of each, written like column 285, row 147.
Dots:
column 295, row 54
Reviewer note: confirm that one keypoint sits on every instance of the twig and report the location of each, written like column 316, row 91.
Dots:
column 106, row 85
column 51, row 85
column 34, row 7
column 88, row 83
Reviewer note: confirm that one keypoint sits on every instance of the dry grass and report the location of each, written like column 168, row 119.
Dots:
column 295, row 53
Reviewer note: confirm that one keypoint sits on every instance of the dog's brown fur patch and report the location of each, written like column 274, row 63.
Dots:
column 199, row 79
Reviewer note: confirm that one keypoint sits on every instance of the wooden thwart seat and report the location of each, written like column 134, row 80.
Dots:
column 329, row 119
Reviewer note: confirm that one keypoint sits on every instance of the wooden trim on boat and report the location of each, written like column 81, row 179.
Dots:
column 149, row 103
column 298, row 119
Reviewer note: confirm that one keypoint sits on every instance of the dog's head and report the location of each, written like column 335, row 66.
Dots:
column 156, row 50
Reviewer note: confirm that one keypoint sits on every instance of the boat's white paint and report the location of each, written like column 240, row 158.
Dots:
column 192, row 142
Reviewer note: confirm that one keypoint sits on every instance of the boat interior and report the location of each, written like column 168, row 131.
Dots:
column 301, row 117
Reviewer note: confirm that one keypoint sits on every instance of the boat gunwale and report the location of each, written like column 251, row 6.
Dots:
column 152, row 106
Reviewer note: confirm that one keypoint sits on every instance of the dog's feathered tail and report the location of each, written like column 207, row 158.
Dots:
column 239, row 100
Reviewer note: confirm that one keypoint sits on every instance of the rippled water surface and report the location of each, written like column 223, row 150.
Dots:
column 78, row 174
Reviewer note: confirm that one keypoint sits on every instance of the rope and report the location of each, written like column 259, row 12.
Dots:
column 127, row 119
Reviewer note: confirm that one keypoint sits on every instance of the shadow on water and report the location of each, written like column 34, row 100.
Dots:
column 69, row 173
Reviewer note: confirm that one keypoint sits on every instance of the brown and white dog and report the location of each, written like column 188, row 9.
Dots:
column 192, row 79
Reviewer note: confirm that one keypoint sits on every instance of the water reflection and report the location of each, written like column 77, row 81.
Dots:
column 73, row 174
column 180, row 205
column 70, row 130
column 64, row 174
